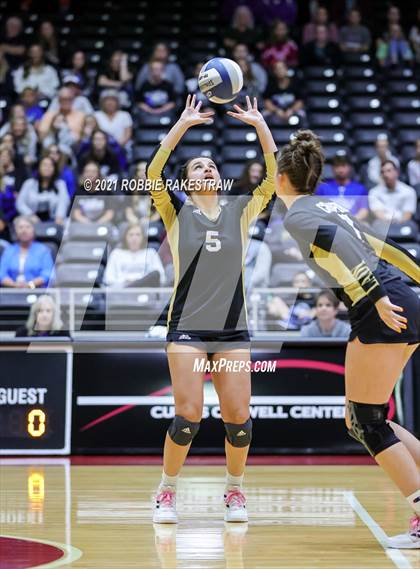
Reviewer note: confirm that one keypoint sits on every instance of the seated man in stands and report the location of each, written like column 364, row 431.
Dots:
column 156, row 95
column 392, row 200
column 345, row 191
column 44, row 320
column 326, row 325
column 26, row 263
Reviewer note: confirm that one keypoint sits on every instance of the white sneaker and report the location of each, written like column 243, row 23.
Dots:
column 235, row 506
column 409, row 540
column 165, row 506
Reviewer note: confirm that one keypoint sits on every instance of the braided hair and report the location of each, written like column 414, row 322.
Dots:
column 302, row 160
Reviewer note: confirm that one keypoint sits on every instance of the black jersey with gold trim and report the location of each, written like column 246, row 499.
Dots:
column 346, row 255
column 208, row 255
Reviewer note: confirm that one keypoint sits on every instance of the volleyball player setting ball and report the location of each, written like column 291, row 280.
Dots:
column 207, row 313
column 384, row 313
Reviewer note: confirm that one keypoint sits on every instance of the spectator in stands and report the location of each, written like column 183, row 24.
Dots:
column 112, row 120
column 12, row 170
column 257, row 264
column 393, row 15
column 321, row 50
column 79, row 68
column 280, row 47
column 47, row 38
column 243, row 30
column 301, row 311
column 44, row 197
column 269, row 10
column 392, row 200
column 133, row 264
column 156, row 95
column 44, row 319
column 138, row 205
column 7, row 195
column 345, row 191
column 252, row 175
column 26, row 263
column 240, row 53
column 414, row 37
column 354, row 37
column 393, row 48
column 116, row 75
column 12, row 42
column 283, row 97
column 320, row 18
column 413, row 167
column 61, row 160
column 33, row 111
column 91, row 208
column 101, row 153
column 6, row 79
column 36, row 73
column 64, row 118
column 382, row 153
column 90, row 124
column 171, row 72
column 326, row 324
column 25, row 139
column 80, row 101
column 251, row 87
column 16, row 112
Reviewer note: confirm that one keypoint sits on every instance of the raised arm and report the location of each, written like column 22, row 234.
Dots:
column 190, row 116
column 264, row 192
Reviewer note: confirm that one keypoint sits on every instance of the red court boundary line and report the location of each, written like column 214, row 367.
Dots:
column 264, row 460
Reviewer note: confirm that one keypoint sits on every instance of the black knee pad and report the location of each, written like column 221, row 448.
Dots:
column 239, row 435
column 182, row 431
column 369, row 426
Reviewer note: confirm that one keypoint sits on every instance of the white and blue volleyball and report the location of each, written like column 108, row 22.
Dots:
column 220, row 79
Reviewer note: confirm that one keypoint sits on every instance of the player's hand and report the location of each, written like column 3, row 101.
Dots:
column 251, row 116
column 191, row 114
column 388, row 313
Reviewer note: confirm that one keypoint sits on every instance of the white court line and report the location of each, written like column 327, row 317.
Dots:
column 395, row 555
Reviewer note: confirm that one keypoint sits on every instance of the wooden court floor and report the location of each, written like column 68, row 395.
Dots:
column 99, row 517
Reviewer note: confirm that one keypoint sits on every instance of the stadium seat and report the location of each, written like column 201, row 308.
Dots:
column 368, row 135
column 317, row 86
column 366, row 119
column 150, row 135
column 406, row 231
column 319, row 72
column 323, row 103
column 82, row 252
column 239, row 136
column 325, row 119
column 78, row 275
column 408, row 136
column 411, row 103
column 232, row 170
column 238, row 152
column 89, row 231
column 185, row 152
column 406, row 119
column 364, row 103
column 361, row 87
column 197, row 135
column 48, row 231
column 401, row 87
column 413, row 249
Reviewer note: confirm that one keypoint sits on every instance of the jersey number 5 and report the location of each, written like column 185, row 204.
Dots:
column 213, row 244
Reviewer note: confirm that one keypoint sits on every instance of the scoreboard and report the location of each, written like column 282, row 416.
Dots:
column 35, row 398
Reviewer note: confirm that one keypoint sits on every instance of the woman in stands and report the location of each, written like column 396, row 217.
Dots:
column 207, row 316
column 44, row 319
column 384, row 313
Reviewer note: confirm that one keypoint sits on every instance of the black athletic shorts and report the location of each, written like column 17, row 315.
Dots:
column 211, row 341
column 370, row 329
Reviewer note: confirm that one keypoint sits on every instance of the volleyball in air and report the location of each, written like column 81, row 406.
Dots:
column 220, row 80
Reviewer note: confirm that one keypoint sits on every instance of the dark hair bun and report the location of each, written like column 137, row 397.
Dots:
column 306, row 141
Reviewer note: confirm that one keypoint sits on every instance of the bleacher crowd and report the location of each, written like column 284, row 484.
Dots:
column 88, row 96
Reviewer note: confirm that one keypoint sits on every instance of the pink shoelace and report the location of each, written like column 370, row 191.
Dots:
column 166, row 498
column 235, row 497
column 415, row 525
